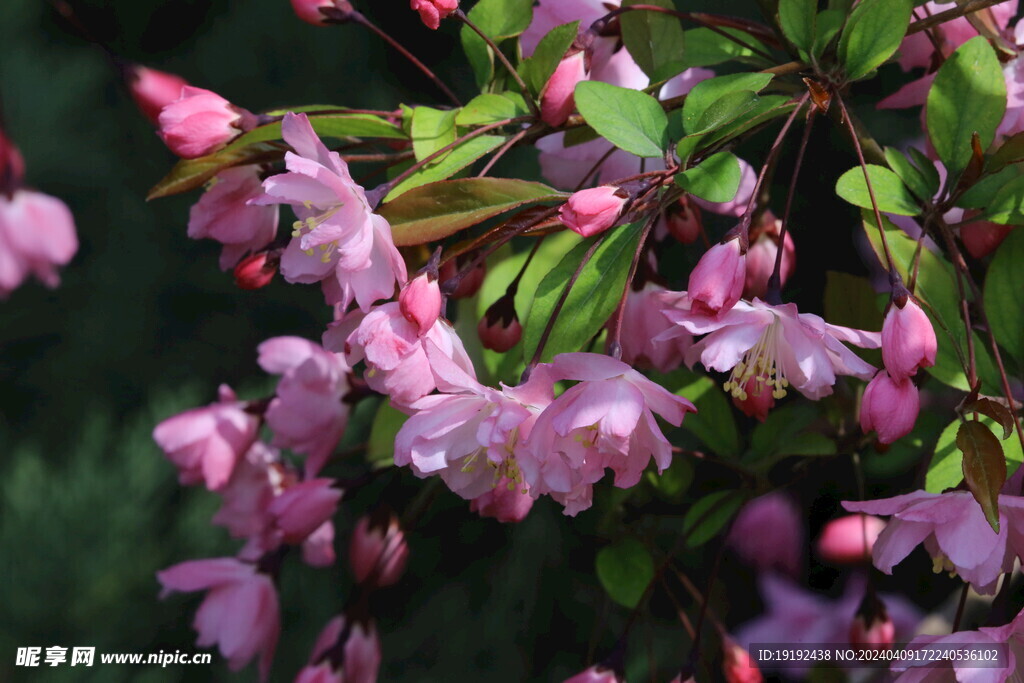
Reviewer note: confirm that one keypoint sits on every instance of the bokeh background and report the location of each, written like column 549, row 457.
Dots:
column 144, row 325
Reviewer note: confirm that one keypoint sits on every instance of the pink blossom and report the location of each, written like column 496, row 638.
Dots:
column 768, row 533
column 547, row 14
column 307, row 413
column 589, row 212
column 716, row 282
column 760, row 259
column 433, row 11
column 378, row 552
column 606, row 420
column 201, row 122
column 642, row 322
column 954, row 531
column 206, row 443
column 224, row 214
column 908, row 339
column 737, row 665
column 507, row 502
column 37, row 234
column 682, row 221
column 153, row 90
column 256, row 271
column 871, row 626
column 318, row 548
column 595, row 674
column 776, row 345
column 889, row 407
column 420, row 301
column 309, row 11
column 471, row 281
column 755, row 399
column 499, row 329
column 337, row 239
column 849, row 539
column 347, row 651
column 240, row 612
column 255, row 481
column 303, row 507
column 556, row 98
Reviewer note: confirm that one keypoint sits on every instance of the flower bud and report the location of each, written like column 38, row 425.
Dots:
column 201, row 122
column 433, row 11
column 508, row 502
column 872, row 627
column 470, row 283
column 347, row 651
column 420, row 301
column 589, row 212
column 378, row 552
column 761, row 256
column 500, row 328
column 889, row 407
column 756, row 399
column 310, row 11
column 257, row 270
column 849, row 539
column 768, row 533
column 12, row 166
column 556, row 98
column 737, row 664
column 908, row 339
column 153, row 90
column 684, row 221
column 716, row 282
column 303, row 507
column 595, row 674
column 981, row 238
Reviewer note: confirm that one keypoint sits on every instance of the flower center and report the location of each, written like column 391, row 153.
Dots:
column 759, row 364
column 312, row 223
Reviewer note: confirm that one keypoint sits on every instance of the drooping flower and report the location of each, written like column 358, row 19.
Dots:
column 872, row 627
column 849, row 539
column 224, row 214
column 768, row 534
column 152, row 90
column 606, row 420
column 761, row 255
column 642, row 323
column 37, row 235
column 310, row 11
column 302, row 508
column 337, row 239
column 378, row 552
column 716, row 282
column 737, row 664
column 257, row 271
column 590, row 212
column 433, row 11
column 201, row 122
column 255, row 481
column 507, row 501
column 420, row 301
column 347, row 651
column 499, row 328
column 556, row 98
column 889, row 407
column 908, row 339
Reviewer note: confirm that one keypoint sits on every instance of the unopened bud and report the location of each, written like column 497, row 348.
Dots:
column 433, row 11
column 908, row 338
column 378, row 551
column 301, row 508
column 153, row 90
column 589, row 212
column 469, row 283
column 871, row 626
column 201, row 122
column 756, row 399
column 12, row 166
column 761, row 255
column 716, row 282
column 257, row 270
column 420, row 301
column 849, row 539
column 889, row 407
column 684, row 221
column 500, row 328
column 323, row 12
column 556, row 98
column 737, row 664
column 982, row 237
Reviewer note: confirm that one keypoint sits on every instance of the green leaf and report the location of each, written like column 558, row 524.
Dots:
column 945, row 471
column 1007, row 205
column 713, row 422
column 707, row 92
column 828, row 24
column 537, row 69
column 927, row 168
column 1010, row 152
column 380, row 447
column 1003, row 287
column 629, row 119
column 797, row 19
column 447, row 164
column 432, row 129
column 625, row 568
column 328, row 126
column 774, row 435
column 654, row 40
column 716, row 179
column 591, row 300
column 905, row 454
column 872, row 34
column 984, row 467
column 727, row 109
column 709, row 515
column 188, row 174
column 499, row 19
column 434, row 211
column 909, row 174
column 890, row 192
column 767, row 108
column 982, row 193
column 705, row 47
column 968, row 96
column 490, row 108
column 851, row 301
column 674, row 481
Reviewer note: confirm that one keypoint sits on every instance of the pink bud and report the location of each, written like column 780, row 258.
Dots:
column 508, row 502
column 849, row 539
column 716, row 283
column 471, row 282
column 872, row 627
column 309, row 11
column 761, row 259
column 257, row 270
column 420, row 302
column 768, row 533
column 500, row 328
column 908, row 339
column 303, row 507
column 684, row 221
column 756, row 399
column 347, row 651
column 153, row 90
column 592, row 211
column 737, row 665
column 595, row 674
column 12, row 166
column 433, row 11
column 378, row 551
column 556, row 99
column 982, row 238
column 889, row 407
column 201, row 122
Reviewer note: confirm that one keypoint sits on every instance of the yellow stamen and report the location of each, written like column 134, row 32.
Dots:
column 760, row 364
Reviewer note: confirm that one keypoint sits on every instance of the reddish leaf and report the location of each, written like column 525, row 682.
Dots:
column 984, row 467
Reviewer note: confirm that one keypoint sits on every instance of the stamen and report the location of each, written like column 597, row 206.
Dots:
column 761, row 365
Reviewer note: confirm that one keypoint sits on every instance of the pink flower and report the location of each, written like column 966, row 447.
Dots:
column 777, row 346
column 12, row 166
column 889, row 407
column 395, row 356
column 254, row 482
column 849, row 539
column 378, row 552
column 556, row 98
column 500, row 329
column 595, row 674
column 37, row 234
column 201, row 122
column 420, row 301
column 682, row 221
column 256, row 271
column 224, row 214
column 309, row 11
column 206, row 443
column 318, row 548
column 716, row 282
column 954, row 532
column 307, row 413
column 642, row 322
column 589, row 212
column 153, row 90
column 761, row 255
column 769, row 534
column 240, row 611
column 755, row 399
column 871, row 626
column 507, row 501
column 737, row 665
column 347, row 651
column 908, row 339
column 337, row 239
column 433, row 11
column 303, row 507
column 607, row 420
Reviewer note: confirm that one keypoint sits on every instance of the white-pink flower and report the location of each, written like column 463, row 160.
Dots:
column 37, row 235
column 338, row 239
column 642, row 323
column 224, row 214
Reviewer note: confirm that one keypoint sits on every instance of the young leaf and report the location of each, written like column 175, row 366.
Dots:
column 826, row 27
column 968, row 96
column 1007, row 206
column 707, row 92
column 705, row 47
column 873, row 32
column 591, row 300
column 726, row 109
column 982, row 193
column 909, row 174
column 984, row 467
column 890, row 192
column 328, row 126
column 625, row 568
column 629, row 119
column 1003, row 287
column 797, row 19
column 709, row 515
column 537, row 69
column 491, row 108
column 189, row 174
column 716, row 179
column 1010, row 152
column 654, row 40
column 432, row 129
column 434, row 211
column 448, row 164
